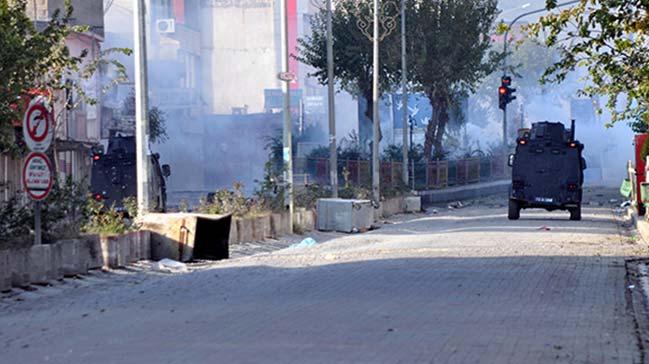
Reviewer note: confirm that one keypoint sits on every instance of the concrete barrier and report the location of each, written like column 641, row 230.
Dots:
column 44, row 263
column 74, row 257
column 234, row 232
column 95, row 259
column 306, row 219
column 261, row 227
column 109, row 246
column 276, row 227
column 5, row 271
column 19, row 263
column 245, row 229
column 43, row 267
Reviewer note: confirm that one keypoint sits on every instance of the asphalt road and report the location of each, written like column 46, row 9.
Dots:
column 459, row 286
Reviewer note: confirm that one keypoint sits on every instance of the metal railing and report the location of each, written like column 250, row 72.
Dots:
column 423, row 176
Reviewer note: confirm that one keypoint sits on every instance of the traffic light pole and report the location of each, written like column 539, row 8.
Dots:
column 511, row 24
column 505, row 130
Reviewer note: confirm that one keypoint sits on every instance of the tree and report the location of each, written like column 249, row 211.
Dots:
column 449, row 53
column 38, row 61
column 352, row 53
column 609, row 39
column 157, row 119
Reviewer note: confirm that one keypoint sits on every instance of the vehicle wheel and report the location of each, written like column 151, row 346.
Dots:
column 575, row 213
column 514, row 210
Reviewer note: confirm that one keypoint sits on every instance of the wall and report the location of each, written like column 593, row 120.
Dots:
column 238, row 55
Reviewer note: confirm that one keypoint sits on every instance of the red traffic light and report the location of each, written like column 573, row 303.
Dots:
column 502, row 90
column 96, row 157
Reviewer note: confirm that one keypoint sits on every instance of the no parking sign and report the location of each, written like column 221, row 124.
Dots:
column 37, row 176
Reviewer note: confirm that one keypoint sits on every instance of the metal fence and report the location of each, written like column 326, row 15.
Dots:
column 423, row 176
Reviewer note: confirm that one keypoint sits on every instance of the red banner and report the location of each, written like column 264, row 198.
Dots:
column 179, row 11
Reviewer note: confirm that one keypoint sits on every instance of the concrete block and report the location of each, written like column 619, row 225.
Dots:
column 5, row 271
column 57, row 262
column 276, row 228
column 93, row 246
column 413, row 204
column 123, row 251
column 261, row 227
column 146, row 245
column 40, row 264
column 245, row 228
column 75, row 257
column 286, row 223
column 392, row 206
column 109, row 251
column 134, row 241
column 234, row 232
column 19, row 263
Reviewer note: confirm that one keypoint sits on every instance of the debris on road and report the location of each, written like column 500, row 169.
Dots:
column 305, row 243
column 456, row 205
column 625, row 204
column 545, row 228
column 170, row 266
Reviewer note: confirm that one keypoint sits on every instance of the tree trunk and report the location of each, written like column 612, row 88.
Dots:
column 431, row 130
column 442, row 106
column 369, row 110
column 433, row 146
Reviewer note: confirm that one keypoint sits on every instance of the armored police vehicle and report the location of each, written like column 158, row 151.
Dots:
column 114, row 174
column 547, row 170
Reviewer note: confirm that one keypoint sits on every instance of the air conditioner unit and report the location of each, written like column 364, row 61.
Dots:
column 165, row 26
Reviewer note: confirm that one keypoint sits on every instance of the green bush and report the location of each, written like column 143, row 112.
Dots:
column 308, row 197
column 109, row 221
column 225, row 201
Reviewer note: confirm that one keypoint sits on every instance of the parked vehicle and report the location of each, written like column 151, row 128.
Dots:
column 547, row 170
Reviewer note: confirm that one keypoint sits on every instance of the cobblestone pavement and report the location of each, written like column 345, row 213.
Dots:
column 458, row 286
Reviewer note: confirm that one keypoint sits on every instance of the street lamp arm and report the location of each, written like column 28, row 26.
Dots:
column 511, row 24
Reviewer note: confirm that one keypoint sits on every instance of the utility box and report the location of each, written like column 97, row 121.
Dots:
column 413, row 204
column 336, row 214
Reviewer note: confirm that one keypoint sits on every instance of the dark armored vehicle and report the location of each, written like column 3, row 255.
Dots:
column 114, row 174
column 547, row 170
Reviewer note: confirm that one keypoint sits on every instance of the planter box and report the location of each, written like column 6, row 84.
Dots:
column 185, row 236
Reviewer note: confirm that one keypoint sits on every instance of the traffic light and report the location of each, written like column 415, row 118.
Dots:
column 502, row 97
column 505, row 92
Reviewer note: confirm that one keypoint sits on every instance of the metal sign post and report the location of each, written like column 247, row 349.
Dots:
column 37, row 176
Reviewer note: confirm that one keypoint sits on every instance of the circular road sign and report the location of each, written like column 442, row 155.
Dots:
column 37, row 176
column 38, row 125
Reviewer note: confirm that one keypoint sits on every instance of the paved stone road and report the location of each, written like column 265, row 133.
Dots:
column 462, row 286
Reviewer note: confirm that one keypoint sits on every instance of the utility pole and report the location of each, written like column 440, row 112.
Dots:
column 288, row 153
column 376, row 122
column 404, row 93
column 333, row 151
column 141, row 107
